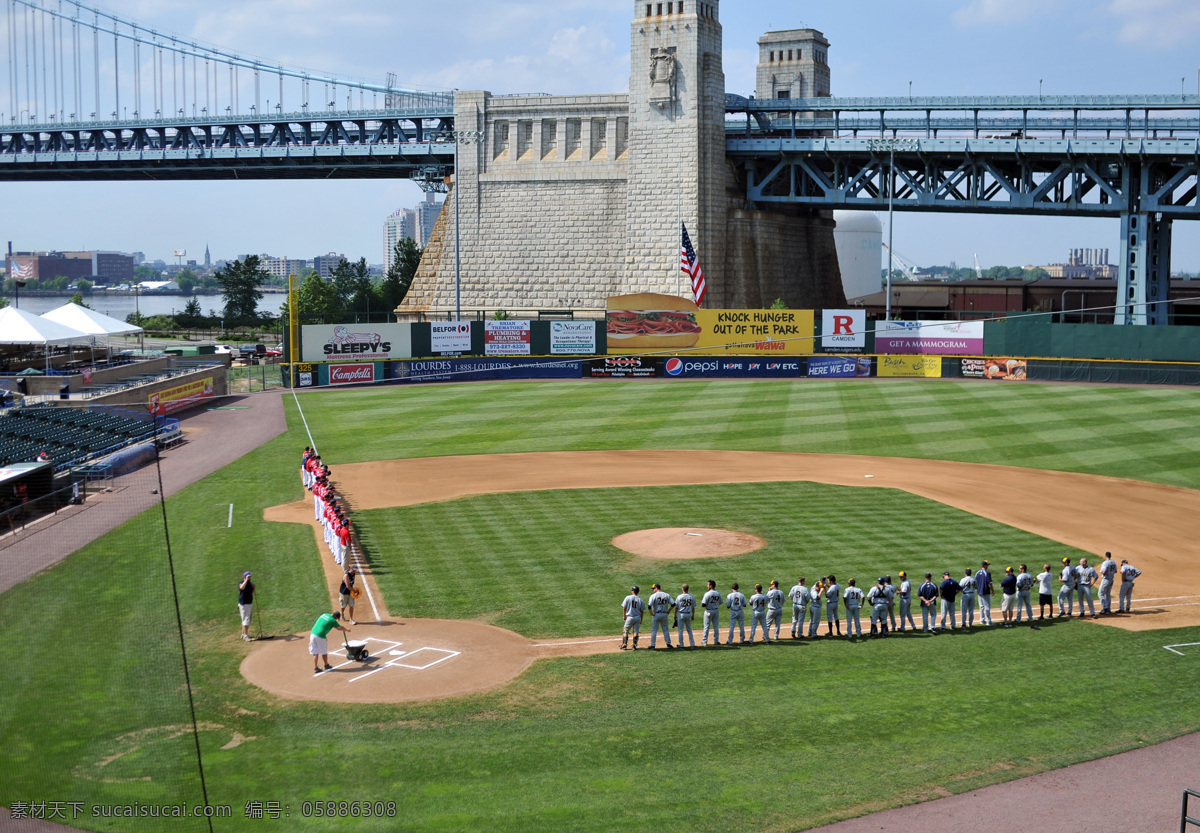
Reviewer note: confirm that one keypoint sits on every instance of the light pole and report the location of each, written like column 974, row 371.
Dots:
column 465, row 137
column 890, row 145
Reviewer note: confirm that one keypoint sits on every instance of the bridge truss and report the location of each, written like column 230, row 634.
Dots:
column 791, row 153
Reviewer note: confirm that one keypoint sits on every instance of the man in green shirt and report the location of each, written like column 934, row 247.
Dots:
column 318, row 645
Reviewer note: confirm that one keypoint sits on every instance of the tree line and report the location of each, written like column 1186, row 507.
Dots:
column 348, row 291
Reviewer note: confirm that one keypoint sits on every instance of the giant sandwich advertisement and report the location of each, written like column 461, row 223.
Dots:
column 647, row 323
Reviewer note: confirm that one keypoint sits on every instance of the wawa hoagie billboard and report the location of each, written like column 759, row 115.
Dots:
column 647, row 323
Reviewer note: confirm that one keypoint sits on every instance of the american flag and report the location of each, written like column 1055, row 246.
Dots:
column 21, row 269
column 689, row 263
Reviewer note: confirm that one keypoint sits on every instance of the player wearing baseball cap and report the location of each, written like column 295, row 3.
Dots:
column 1129, row 574
column 949, row 591
column 928, row 593
column 1025, row 583
column 1108, row 573
column 632, row 607
column 660, row 605
column 685, row 609
column 833, row 596
column 1086, row 578
column 736, row 602
column 983, row 586
column 758, row 614
column 906, row 602
column 246, row 604
column 774, row 608
column 711, row 602
column 853, row 597
column 967, row 583
column 1067, row 591
column 800, row 598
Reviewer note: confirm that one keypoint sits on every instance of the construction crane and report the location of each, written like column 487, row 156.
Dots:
column 909, row 272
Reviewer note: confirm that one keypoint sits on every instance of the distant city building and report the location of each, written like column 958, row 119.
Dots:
column 1086, row 264
column 398, row 225
column 104, row 267
column 139, row 258
column 416, row 223
column 427, row 214
column 207, row 258
column 281, row 267
column 325, row 264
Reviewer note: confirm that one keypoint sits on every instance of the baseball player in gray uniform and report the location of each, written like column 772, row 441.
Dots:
column 1025, row 583
column 660, row 605
column 877, row 599
column 1129, row 574
column 632, row 607
column 800, row 599
column 983, row 587
column 854, row 598
column 1085, row 579
column 890, row 590
column 711, row 601
column 736, row 602
column 814, row 607
column 758, row 614
column 967, row 583
column 833, row 596
column 906, row 602
column 775, row 608
column 1067, row 591
column 1108, row 573
column 685, row 609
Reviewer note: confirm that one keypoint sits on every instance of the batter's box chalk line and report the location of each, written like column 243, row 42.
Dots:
column 401, row 658
column 1172, row 648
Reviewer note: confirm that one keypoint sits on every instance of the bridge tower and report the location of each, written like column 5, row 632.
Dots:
column 677, row 169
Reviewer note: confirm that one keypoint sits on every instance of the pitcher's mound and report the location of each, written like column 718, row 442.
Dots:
column 687, row 542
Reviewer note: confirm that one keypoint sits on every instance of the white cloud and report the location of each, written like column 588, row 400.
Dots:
column 1001, row 12
column 1157, row 23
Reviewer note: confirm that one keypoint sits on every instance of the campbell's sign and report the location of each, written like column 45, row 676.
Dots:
column 351, row 374
column 361, row 342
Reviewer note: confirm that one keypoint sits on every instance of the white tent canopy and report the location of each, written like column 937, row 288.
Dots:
column 89, row 321
column 19, row 327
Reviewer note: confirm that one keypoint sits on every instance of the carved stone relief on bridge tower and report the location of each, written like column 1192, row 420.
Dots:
column 663, row 74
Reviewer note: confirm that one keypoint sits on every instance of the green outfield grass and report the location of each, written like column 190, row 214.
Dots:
column 778, row 738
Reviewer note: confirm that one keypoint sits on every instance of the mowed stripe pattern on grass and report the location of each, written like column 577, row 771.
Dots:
column 1136, row 433
column 540, row 563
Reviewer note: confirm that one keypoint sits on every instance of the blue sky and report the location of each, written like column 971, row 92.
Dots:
column 951, row 47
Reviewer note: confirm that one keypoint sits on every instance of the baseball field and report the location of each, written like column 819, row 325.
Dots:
column 93, row 706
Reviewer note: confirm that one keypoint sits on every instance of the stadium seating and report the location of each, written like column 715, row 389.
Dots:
column 68, row 435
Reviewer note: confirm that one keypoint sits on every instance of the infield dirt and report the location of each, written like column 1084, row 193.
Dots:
column 1132, row 519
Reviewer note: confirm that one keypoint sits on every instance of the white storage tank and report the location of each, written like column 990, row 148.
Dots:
column 859, row 242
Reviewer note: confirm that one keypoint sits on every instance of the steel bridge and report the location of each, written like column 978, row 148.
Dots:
column 92, row 96
column 1132, row 157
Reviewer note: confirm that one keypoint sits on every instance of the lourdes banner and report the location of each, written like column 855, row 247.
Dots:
column 910, row 367
column 182, row 396
column 647, row 323
column 942, row 338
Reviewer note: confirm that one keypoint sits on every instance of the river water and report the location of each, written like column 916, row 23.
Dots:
column 120, row 305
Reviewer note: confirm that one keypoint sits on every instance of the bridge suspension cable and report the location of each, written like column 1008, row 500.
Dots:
column 40, row 91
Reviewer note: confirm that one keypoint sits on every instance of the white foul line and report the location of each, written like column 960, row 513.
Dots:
column 1172, row 648
column 585, row 642
column 230, row 524
column 366, row 584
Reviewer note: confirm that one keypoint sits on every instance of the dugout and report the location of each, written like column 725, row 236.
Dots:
column 25, row 483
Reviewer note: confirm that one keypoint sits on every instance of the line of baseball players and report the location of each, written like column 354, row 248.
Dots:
column 975, row 588
column 329, row 511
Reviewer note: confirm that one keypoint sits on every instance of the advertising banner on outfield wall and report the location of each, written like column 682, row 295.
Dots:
column 475, row 370
column 353, row 374
column 179, row 397
column 729, row 367
column 1010, row 370
column 843, row 330
column 572, row 338
column 652, row 323
column 623, row 367
column 942, row 338
column 910, row 367
column 354, row 342
column 450, row 337
column 838, row 367
column 506, row 338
